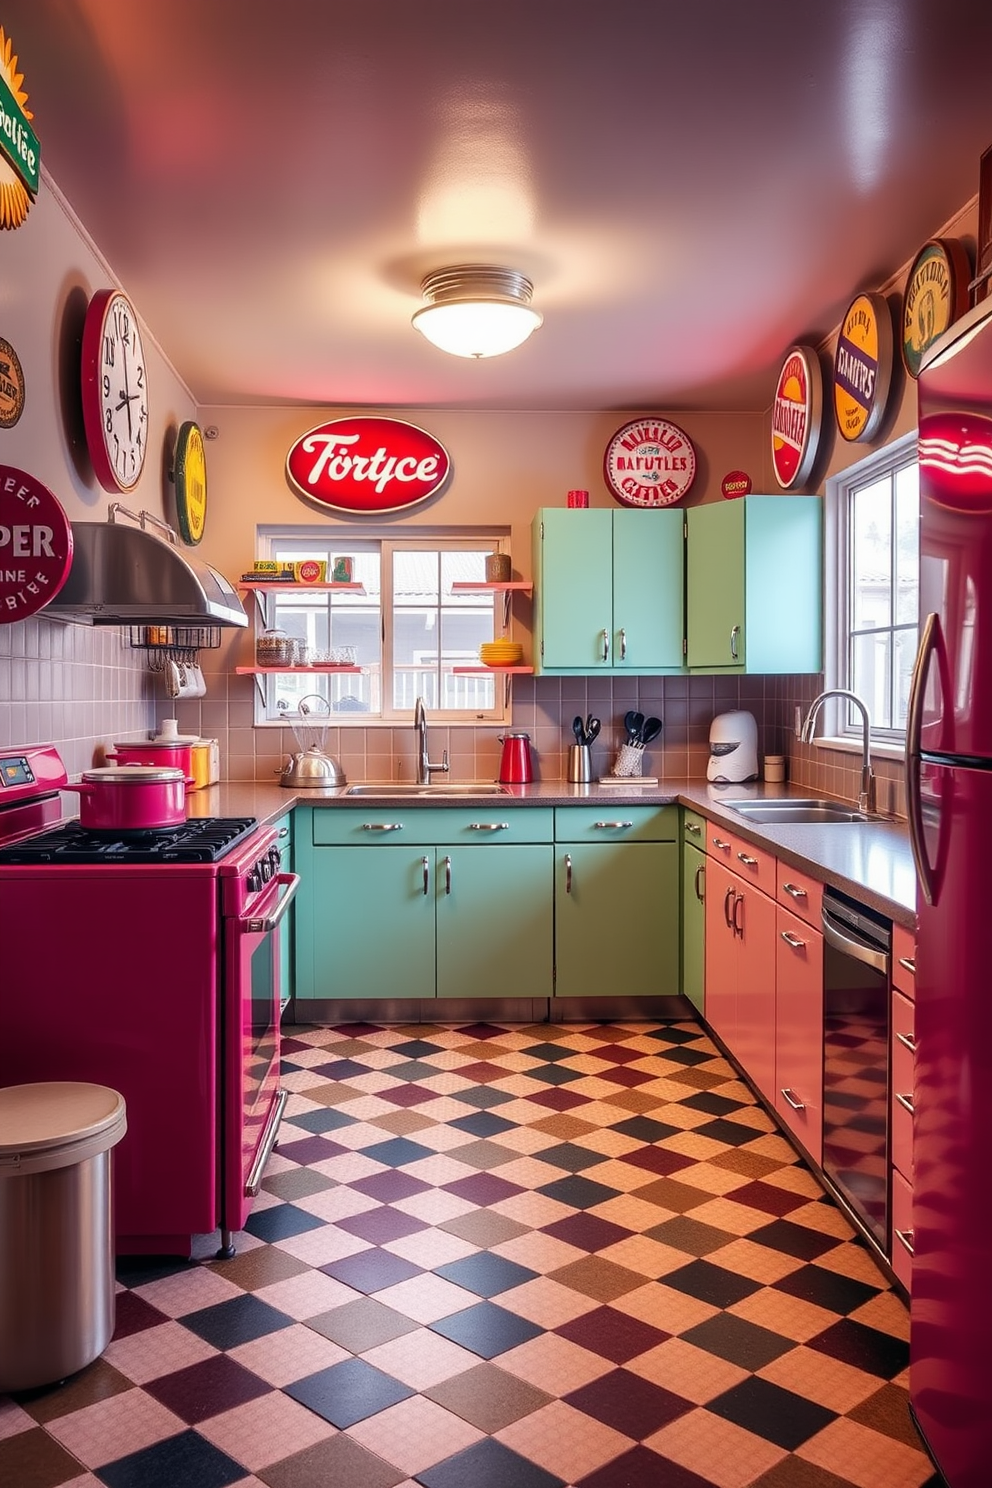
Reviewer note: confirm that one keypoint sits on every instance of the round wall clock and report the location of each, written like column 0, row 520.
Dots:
column 649, row 462
column 936, row 295
column 190, row 476
column 114, row 391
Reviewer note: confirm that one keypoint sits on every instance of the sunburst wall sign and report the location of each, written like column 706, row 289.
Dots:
column 20, row 150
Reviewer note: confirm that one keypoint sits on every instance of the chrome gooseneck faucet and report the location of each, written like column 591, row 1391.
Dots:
column 866, row 795
column 424, row 765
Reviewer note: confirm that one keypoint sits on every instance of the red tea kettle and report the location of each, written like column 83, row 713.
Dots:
column 515, row 763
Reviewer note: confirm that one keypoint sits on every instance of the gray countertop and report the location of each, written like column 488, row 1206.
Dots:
column 870, row 860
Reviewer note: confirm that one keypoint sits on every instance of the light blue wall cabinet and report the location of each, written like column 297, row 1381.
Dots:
column 616, row 901
column 754, row 580
column 418, row 903
column 609, row 591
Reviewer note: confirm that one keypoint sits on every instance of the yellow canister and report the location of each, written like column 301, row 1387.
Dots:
column 200, row 763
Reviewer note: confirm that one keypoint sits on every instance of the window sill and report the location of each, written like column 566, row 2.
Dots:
column 849, row 745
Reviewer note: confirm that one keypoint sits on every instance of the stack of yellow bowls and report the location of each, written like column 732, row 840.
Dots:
column 501, row 653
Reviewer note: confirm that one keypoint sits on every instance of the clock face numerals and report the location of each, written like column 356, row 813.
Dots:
column 115, row 391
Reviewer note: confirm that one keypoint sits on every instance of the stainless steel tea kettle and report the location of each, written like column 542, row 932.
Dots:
column 312, row 770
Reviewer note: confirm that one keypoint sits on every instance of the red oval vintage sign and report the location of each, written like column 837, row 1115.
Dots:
column 367, row 464
column 35, row 545
column 735, row 483
column 796, row 414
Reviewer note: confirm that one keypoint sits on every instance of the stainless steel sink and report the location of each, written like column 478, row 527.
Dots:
column 795, row 811
column 469, row 788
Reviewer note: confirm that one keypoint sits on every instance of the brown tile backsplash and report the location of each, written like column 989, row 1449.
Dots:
column 82, row 687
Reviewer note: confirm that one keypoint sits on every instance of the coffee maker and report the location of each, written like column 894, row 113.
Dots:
column 733, row 748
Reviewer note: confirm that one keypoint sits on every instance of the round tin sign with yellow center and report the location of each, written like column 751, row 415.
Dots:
column 936, row 294
column 191, row 483
column 796, row 414
column 863, row 367
column 11, row 385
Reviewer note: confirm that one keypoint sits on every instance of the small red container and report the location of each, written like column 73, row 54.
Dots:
column 578, row 498
column 515, row 766
column 178, row 756
column 131, row 798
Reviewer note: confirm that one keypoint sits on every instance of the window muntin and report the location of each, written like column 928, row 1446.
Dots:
column 408, row 631
column 879, row 553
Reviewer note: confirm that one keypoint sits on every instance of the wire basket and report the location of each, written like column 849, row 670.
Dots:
column 310, row 724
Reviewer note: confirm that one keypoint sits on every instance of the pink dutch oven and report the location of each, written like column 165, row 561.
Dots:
column 177, row 756
column 131, row 798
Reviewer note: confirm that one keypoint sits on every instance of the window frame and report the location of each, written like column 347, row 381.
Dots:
column 388, row 540
column 842, row 724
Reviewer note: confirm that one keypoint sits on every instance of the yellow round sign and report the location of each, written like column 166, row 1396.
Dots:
column 191, row 483
column 11, row 385
column 863, row 367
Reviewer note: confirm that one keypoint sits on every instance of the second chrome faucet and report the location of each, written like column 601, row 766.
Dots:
column 866, row 795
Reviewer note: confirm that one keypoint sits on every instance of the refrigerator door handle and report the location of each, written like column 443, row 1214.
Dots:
column 914, row 728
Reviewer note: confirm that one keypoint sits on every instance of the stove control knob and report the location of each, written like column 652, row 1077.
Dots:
column 254, row 880
column 274, row 860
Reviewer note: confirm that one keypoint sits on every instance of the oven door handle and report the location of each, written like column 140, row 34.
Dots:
column 262, row 924
column 850, row 946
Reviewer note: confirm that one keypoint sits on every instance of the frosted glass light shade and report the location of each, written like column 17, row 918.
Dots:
column 477, row 310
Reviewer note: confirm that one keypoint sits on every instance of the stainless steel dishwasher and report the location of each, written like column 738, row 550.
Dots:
column 857, row 951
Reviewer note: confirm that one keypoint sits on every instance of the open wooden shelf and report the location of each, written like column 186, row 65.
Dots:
column 277, row 587
column 288, row 671
column 479, row 670
column 521, row 586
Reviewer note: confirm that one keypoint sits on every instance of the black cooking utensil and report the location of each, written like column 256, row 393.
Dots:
column 650, row 730
column 592, row 729
column 633, row 722
column 578, row 730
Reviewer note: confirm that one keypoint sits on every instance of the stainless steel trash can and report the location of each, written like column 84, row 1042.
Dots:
column 56, row 1230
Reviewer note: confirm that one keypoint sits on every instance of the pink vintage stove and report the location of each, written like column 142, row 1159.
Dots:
column 150, row 964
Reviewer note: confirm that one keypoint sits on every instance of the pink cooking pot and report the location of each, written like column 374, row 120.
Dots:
column 178, row 756
column 131, row 798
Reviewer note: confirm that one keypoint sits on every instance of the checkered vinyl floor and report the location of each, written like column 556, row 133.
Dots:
column 504, row 1257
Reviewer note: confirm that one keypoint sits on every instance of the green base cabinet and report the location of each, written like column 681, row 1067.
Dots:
column 694, row 909
column 616, row 902
column 608, row 591
column 495, row 921
column 754, row 580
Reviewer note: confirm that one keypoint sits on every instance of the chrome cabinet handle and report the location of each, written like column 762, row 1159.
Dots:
column 283, row 831
column 908, row 963
column 739, row 923
column 906, row 1101
column 905, row 1237
column 606, row 645
column 382, row 826
column 726, row 908
column 907, row 1042
column 694, row 828
column 568, row 873
column 793, row 1099
column 623, row 645
column 795, row 891
column 723, row 846
column 700, row 893
column 608, row 825
column 489, row 826
column 793, row 940
column 427, row 873
column 733, row 642
column 747, row 860
column 447, row 875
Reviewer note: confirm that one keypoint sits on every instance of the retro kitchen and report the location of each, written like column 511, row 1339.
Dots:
column 495, row 745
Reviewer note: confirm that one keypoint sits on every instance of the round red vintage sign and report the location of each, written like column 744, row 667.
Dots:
column 796, row 414
column 35, row 545
column 735, row 483
column 367, row 464
column 649, row 462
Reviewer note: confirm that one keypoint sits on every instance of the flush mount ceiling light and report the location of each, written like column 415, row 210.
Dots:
column 477, row 310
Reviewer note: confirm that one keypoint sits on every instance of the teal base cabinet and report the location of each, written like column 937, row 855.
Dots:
column 616, row 901
column 608, row 591
column 754, row 580
column 694, row 909
column 420, row 903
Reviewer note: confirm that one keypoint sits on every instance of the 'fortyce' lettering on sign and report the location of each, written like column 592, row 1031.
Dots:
column 367, row 464
column 35, row 545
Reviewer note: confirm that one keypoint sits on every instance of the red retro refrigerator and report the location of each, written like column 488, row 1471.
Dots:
column 949, row 778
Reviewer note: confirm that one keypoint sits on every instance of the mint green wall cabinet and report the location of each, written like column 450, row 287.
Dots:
column 693, row 908
column 609, row 591
column 495, row 921
column 616, row 901
column 754, row 580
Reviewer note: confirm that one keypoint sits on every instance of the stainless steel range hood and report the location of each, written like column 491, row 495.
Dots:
column 125, row 575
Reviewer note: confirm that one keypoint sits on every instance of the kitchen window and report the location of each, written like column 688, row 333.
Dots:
column 873, row 536
column 408, row 632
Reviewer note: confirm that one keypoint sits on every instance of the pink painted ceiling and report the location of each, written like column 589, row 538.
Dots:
column 691, row 186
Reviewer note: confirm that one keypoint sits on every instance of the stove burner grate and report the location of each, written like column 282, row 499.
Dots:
column 204, row 839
